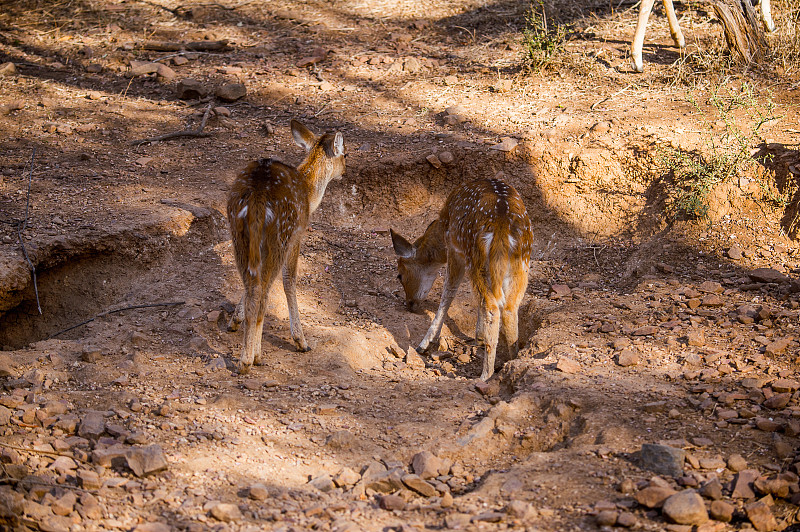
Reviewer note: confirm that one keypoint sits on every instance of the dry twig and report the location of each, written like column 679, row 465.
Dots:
column 185, row 133
column 106, row 313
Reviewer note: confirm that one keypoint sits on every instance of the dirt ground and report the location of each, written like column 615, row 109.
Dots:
column 635, row 330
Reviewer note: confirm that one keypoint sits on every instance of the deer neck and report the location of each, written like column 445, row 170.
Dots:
column 316, row 175
column 431, row 246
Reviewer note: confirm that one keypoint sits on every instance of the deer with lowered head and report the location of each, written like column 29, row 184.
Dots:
column 483, row 228
column 269, row 207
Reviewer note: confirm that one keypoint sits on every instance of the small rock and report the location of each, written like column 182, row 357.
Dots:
column 662, row 459
column 92, row 425
column 653, row 496
column 165, row 73
column 450, row 80
column 146, row 460
column 734, row 252
column 736, row 463
column 606, row 518
column 560, row 291
column 258, row 492
column 627, row 520
column 628, row 357
column 517, row 509
column 721, row 511
column 506, row 144
column 685, row 508
column 190, row 89
column 567, row 365
column 142, row 68
column 711, row 287
column 712, row 490
column 743, row 484
column 323, row 483
column 226, row 512
column 777, row 347
column 767, row 275
column 696, row 338
column 427, row 465
column 645, row 330
column 778, row 401
column 434, row 160
column 346, row 477
column 446, row 157
column 760, row 514
column 391, row 502
column 414, row 360
column 8, row 69
column 230, row 92
column 415, row 483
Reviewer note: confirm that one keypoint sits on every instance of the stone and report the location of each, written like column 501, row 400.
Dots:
column 341, row 440
column 567, row 365
column 5, row 416
column 386, row 482
column 8, row 69
column 627, row 520
column 230, row 92
column 662, row 459
column 446, row 157
column 226, row 512
column 146, row 460
column 784, row 385
column 712, row 300
column 152, row 527
column 777, row 487
column 427, row 465
column 711, row 287
column 645, row 330
column 190, row 89
column 517, row 509
column 346, row 477
column 721, row 511
column 64, row 504
column 506, row 144
column 734, row 252
column 92, row 425
column 760, row 514
column 108, row 456
column 777, row 347
column 322, row 482
column 457, row 521
column 685, row 508
column 415, row 483
column 89, row 480
column 91, row 354
column 778, row 401
column 89, row 507
column 653, row 496
column 696, row 338
column 165, row 73
column 414, row 360
column 142, row 68
column 55, row 523
column 606, row 518
column 743, row 484
column 434, row 160
column 767, row 275
column 628, row 357
column 560, row 291
column 391, row 502
column 63, row 465
column 712, row 490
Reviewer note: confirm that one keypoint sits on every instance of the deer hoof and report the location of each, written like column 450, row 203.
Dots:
column 244, row 369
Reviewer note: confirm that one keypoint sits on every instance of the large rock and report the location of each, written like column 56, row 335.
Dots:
column 686, row 508
column 662, row 459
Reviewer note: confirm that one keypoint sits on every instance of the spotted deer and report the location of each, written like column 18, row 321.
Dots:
column 675, row 29
column 268, row 211
column 483, row 228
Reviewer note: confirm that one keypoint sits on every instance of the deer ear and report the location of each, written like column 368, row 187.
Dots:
column 338, row 145
column 302, row 136
column 402, row 247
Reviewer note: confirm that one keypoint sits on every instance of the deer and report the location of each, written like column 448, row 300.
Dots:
column 675, row 29
column 269, row 207
column 482, row 228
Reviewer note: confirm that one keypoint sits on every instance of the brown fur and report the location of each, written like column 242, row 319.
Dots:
column 484, row 228
column 269, row 207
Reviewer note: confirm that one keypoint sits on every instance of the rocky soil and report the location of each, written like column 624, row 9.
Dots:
column 657, row 385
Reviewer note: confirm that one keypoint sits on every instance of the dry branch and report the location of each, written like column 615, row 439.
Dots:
column 185, row 133
column 106, row 313
column 196, row 46
column 20, row 230
column 743, row 32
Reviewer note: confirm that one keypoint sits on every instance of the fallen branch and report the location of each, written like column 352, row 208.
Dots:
column 21, row 228
column 114, row 311
column 197, row 46
column 185, row 133
column 51, row 453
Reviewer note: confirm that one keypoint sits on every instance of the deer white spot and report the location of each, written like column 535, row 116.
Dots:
column 512, row 242
column 243, row 212
column 487, row 240
column 269, row 215
column 252, row 271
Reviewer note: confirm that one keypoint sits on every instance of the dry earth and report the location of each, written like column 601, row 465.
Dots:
column 636, row 331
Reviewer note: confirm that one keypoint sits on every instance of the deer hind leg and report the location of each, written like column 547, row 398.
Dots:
column 253, row 324
column 510, row 311
column 487, row 337
column 766, row 15
column 674, row 27
column 290, row 287
column 237, row 317
column 453, row 277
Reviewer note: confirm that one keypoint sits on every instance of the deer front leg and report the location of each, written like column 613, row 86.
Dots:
column 237, row 317
column 674, row 27
column 453, row 277
column 766, row 16
column 638, row 36
column 290, row 287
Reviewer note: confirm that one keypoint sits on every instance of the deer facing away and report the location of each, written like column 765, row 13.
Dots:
column 675, row 29
column 269, row 207
column 483, row 228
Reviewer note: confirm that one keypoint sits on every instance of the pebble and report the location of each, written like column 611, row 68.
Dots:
column 712, row 490
column 392, row 502
column 628, row 357
column 230, row 92
column 685, row 508
column 760, row 514
column 721, row 511
column 226, row 512
column 653, row 496
column 427, row 465
column 567, row 365
column 606, row 518
column 662, row 459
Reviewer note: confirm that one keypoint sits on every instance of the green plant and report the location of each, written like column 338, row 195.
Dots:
column 726, row 155
column 541, row 40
